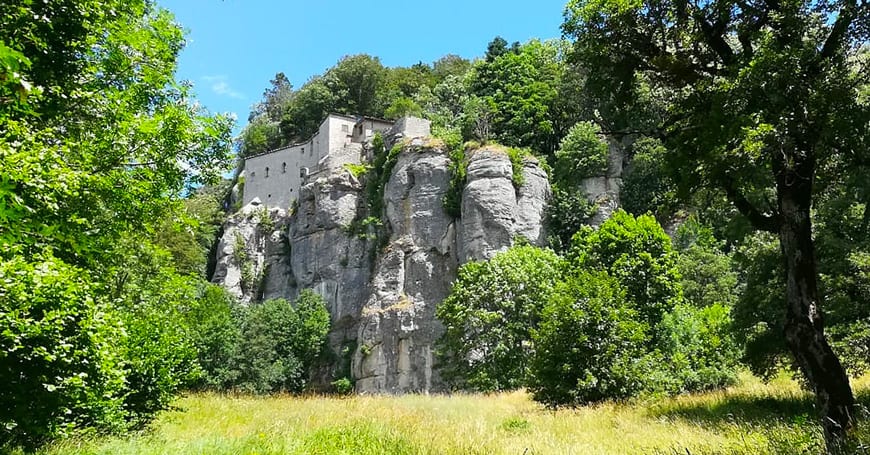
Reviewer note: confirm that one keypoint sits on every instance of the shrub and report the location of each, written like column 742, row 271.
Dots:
column 343, row 386
column 60, row 368
column 458, row 174
column 591, row 344
column 699, row 348
column 582, row 153
column 517, row 156
column 489, row 315
column 646, row 185
column 159, row 353
column 216, row 336
column 638, row 253
column 280, row 343
column 566, row 213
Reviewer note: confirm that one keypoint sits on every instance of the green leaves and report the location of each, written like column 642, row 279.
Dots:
column 490, row 313
column 89, row 164
column 582, row 153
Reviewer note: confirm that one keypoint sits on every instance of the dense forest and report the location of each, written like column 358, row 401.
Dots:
column 742, row 239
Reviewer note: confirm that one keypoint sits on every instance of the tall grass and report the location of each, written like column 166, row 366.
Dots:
column 752, row 418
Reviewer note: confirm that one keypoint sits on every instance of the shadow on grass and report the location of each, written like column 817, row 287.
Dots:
column 762, row 411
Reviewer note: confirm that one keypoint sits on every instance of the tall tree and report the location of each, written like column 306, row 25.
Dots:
column 97, row 144
column 763, row 102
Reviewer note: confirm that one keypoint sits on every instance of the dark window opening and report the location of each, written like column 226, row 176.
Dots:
column 267, row 172
column 283, row 168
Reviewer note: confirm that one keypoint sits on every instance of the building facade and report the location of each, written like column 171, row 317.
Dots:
column 275, row 177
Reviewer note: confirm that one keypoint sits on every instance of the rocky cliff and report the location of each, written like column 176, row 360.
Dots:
column 382, row 284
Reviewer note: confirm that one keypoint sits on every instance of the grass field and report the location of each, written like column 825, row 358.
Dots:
column 752, row 418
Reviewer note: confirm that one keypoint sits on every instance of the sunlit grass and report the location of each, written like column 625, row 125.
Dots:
column 752, row 418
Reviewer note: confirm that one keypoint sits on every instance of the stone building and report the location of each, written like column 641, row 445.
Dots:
column 275, row 177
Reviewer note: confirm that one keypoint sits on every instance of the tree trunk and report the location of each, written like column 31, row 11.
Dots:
column 804, row 328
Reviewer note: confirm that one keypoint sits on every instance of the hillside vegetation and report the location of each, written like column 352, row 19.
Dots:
column 733, row 143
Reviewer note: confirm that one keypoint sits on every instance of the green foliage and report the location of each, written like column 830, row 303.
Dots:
column 60, row 365
column 259, row 136
column 766, row 106
column 591, row 344
column 699, row 348
column 458, row 174
column 97, row 146
column 566, row 213
column 517, row 156
column 646, row 184
column 618, row 327
column 381, row 170
column 403, row 107
column 279, row 343
column 264, row 219
column 216, row 336
column 189, row 234
column 582, row 153
column 357, row 170
column 638, row 253
column 843, row 246
column 160, row 357
column 343, row 386
column 518, row 93
column 490, row 314
column 707, row 274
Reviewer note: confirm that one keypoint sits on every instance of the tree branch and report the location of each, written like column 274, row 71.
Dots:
column 838, row 31
column 713, row 35
column 768, row 223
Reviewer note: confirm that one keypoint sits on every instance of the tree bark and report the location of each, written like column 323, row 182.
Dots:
column 804, row 326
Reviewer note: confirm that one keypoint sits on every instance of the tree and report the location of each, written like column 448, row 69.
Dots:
column 763, row 102
column 522, row 84
column 490, row 314
column 582, row 153
column 590, row 345
column 638, row 253
column 360, row 83
column 98, row 144
column 279, row 343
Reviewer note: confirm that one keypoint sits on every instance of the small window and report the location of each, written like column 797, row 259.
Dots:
column 344, row 129
column 283, row 168
column 253, row 174
column 267, row 172
column 302, row 151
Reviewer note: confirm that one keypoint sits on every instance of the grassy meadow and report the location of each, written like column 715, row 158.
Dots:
column 751, row 418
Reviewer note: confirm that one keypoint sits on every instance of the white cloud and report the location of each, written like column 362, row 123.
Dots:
column 220, row 86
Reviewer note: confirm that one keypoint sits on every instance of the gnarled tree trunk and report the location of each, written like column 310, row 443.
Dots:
column 804, row 327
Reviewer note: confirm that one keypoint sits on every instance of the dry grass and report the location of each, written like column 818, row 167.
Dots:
column 753, row 418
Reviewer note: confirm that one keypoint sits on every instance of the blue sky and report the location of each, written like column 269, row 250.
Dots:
column 234, row 47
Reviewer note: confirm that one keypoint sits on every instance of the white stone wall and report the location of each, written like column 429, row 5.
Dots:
column 337, row 142
column 281, row 185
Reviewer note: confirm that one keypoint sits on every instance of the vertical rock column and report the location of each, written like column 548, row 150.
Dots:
column 398, row 328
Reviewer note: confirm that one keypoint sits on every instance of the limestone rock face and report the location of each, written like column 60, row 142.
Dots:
column 251, row 254
column 398, row 327
column 604, row 190
column 325, row 256
column 494, row 211
column 382, row 287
